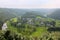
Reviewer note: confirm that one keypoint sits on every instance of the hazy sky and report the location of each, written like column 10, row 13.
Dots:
column 30, row 3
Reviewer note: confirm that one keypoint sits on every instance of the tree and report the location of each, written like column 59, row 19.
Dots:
column 1, row 24
column 50, row 39
column 53, row 23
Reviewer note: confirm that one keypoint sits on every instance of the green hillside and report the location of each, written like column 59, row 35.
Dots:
column 29, row 25
column 55, row 14
column 27, row 30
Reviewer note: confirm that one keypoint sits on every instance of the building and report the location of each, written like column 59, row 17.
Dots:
column 4, row 27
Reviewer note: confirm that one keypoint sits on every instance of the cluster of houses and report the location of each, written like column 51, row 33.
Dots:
column 32, row 21
column 40, row 20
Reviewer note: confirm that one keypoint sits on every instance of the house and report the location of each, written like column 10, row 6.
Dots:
column 19, row 24
column 4, row 27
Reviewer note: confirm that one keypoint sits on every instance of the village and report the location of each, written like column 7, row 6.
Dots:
column 32, row 21
column 27, row 26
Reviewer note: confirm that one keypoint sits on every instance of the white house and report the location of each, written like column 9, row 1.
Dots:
column 4, row 27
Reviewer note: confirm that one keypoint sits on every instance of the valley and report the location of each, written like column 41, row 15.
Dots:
column 29, row 24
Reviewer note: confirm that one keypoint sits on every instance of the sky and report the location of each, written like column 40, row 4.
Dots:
column 29, row 3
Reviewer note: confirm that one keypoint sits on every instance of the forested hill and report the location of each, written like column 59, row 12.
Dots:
column 8, row 13
column 32, row 14
column 5, row 14
column 55, row 14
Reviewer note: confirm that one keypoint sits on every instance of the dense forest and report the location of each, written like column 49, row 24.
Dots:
column 29, row 24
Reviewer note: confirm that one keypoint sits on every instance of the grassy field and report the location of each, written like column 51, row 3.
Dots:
column 39, row 31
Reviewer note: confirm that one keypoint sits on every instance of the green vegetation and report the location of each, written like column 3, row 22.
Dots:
column 28, row 25
column 55, row 14
column 39, row 31
column 29, row 30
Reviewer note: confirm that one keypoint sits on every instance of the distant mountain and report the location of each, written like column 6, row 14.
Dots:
column 32, row 14
column 7, row 13
column 55, row 14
